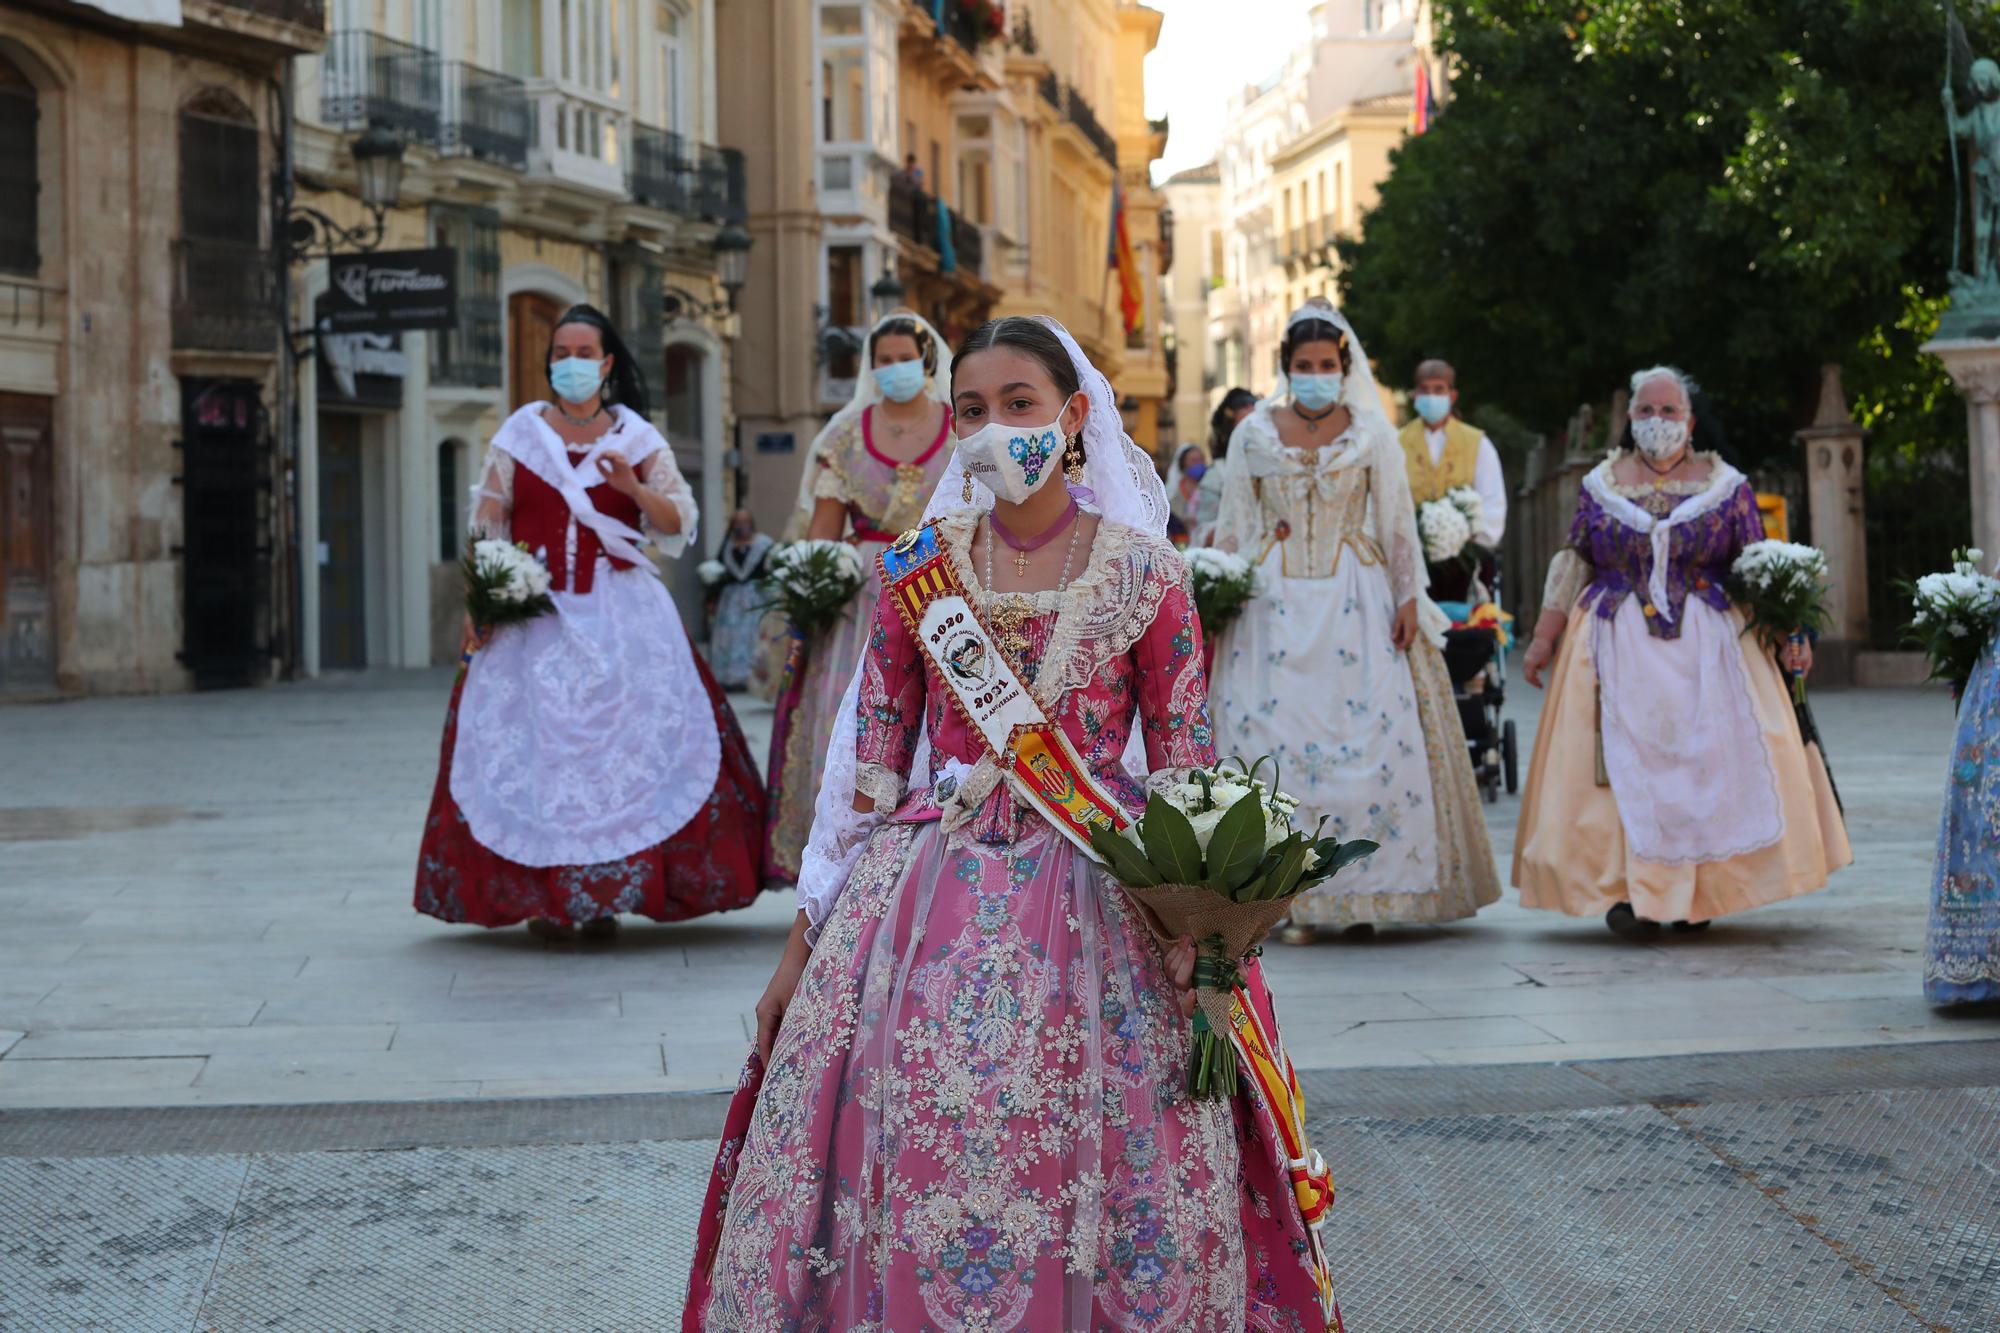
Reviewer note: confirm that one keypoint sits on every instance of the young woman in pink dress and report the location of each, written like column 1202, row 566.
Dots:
column 591, row 765
column 973, row 1115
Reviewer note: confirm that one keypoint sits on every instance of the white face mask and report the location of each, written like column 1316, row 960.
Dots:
column 1014, row 461
column 1659, row 437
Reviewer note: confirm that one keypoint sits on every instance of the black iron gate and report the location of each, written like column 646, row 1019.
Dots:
column 226, row 552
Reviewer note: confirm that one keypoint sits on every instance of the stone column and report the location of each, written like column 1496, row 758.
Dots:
column 1835, row 467
column 1974, row 364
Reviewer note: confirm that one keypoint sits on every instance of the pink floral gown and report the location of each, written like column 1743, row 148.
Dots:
column 974, row 1116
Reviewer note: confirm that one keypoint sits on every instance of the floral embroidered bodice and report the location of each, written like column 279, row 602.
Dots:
column 1318, row 506
column 1699, row 538
column 1120, row 644
column 881, row 494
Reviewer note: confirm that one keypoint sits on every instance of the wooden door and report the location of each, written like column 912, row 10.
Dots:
column 225, row 458
column 27, row 544
column 531, row 326
column 343, row 570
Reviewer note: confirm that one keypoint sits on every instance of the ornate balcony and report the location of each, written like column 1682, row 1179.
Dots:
column 487, row 115
column 225, row 297
column 580, row 136
column 1084, row 118
column 368, row 79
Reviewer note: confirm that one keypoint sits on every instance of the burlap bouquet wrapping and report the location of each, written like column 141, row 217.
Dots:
column 1223, row 930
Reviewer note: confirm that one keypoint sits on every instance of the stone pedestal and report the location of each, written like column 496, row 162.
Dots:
column 1974, row 364
column 1835, row 467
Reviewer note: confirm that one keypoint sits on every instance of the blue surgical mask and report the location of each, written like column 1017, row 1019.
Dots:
column 1316, row 391
column 901, row 380
column 1195, row 471
column 576, row 379
column 1433, row 407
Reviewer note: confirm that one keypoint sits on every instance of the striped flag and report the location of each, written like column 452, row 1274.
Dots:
column 1426, row 105
column 1119, row 255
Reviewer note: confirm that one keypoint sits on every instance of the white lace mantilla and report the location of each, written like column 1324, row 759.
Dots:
column 526, row 439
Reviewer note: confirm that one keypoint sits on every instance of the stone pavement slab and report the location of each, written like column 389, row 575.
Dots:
column 1830, row 1191
column 205, row 900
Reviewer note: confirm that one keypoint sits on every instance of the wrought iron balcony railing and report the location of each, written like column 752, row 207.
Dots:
column 1085, row 119
column 368, row 79
column 225, row 296
column 487, row 115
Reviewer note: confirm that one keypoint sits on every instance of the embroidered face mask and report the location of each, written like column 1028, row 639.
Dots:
column 1014, row 461
column 1659, row 437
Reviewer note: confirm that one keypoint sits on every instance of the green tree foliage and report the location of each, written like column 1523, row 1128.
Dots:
column 1746, row 188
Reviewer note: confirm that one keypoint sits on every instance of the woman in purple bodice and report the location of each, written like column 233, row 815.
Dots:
column 1669, row 783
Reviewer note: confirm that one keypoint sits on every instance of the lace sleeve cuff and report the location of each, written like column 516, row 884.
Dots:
column 879, row 785
column 829, row 484
column 664, row 479
column 1569, row 575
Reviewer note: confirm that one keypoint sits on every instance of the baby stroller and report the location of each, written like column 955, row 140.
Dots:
column 1478, row 672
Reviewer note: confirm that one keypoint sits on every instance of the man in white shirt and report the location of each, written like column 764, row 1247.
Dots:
column 1442, row 452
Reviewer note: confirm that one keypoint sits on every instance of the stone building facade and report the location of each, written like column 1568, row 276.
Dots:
column 142, row 365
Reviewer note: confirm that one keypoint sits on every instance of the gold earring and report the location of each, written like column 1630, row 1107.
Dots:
column 1073, row 461
column 965, row 492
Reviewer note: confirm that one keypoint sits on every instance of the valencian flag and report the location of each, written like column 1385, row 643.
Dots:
column 1426, row 105
column 1119, row 255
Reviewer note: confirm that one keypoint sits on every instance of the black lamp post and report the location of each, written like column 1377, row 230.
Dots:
column 888, row 291
column 732, row 269
column 378, row 168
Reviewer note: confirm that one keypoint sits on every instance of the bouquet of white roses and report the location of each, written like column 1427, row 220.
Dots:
column 1224, row 583
column 811, row 583
column 1217, row 858
column 1447, row 525
column 1781, row 588
column 1958, row 613
column 710, row 572
column 504, row 584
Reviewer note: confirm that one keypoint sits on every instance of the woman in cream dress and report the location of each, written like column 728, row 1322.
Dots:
column 1328, row 670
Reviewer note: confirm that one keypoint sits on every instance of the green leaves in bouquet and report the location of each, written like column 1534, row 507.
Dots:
column 1236, row 847
column 1170, row 842
column 1127, row 862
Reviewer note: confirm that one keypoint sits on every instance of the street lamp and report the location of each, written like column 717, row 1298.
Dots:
column 887, row 292
column 378, row 168
column 732, row 269
column 732, row 259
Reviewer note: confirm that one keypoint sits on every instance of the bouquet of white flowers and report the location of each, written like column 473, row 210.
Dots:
column 1223, row 585
column 1781, row 588
column 504, row 584
column 811, row 583
column 1445, row 529
column 1217, row 858
column 710, row 572
column 1958, row 613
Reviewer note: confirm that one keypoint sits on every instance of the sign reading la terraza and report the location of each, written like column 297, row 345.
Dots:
column 391, row 290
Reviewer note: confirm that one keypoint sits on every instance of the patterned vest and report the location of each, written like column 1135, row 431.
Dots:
column 541, row 519
column 1428, row 480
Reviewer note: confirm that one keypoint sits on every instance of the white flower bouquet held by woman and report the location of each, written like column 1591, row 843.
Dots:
column 504, row 585
column 1958, row 613
column 1217, row 859
column 1224, row 583
column 1781, row 588
column 1445, row 527
column 710, row 572
column 812, row 583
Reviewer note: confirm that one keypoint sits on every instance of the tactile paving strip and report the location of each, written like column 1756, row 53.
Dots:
column 499, row 1240
column 123, row 1245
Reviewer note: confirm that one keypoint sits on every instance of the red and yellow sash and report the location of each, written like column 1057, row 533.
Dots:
column 1046, row 769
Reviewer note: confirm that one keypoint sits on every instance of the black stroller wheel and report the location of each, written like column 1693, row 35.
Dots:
column 1510, row 756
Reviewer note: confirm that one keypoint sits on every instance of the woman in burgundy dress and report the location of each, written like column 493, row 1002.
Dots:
column 591, row 765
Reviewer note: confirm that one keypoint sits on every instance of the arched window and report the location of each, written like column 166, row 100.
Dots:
column 220, row 185
column 20, row 167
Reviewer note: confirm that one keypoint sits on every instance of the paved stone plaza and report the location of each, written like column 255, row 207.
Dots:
column 243, row 1086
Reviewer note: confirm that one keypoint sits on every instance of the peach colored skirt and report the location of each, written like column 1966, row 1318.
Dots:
column 1571, row 855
